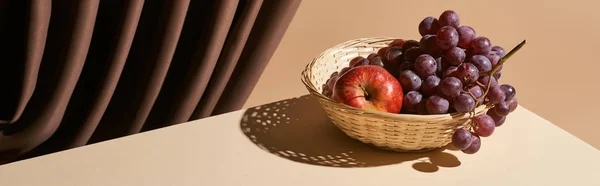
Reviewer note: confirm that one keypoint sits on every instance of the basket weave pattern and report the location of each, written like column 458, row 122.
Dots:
column 397, row 132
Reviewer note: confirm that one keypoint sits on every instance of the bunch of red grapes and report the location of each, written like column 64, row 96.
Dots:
column 450, row 69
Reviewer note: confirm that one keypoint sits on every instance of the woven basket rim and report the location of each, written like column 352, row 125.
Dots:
column 305, row 78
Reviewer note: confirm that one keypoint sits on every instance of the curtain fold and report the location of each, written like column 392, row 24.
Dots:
column 231, row 54
column 268, row 30
column 191, row 70
column 86, row 71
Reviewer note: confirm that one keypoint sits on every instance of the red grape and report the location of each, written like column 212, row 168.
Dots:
column 455, row 56
column 410, row 44
column 326, row 92
column 501, row 108
column 331, row 82
column 412, row 54
column 475, row 145
column 461, row 139
column 405, row 66
column 430, row 84
column 412, row 99
column 356, row 60
column 397, row 43
column 485, row 125
column 498, row 120
column 469, row 52
column 371, row 56
column 513, row 104
column 449, row 18
column 450, row 87
column 344, row 70
column 376, row 61
column 425, row 66
column 362, row 62
column 495, row 94
column 422, row 108
column 393, row 56
column 509, row 91
column 493, row 57
column 476, row 91
column 481, row 45
column 447, row 37
column 439, row 69
column 482, row 63
column 466, row 35
column 464, row 103
column 484, row 80
column 429, row 25
column 501, row 52
column 409, row 81
column 450, row 72
column 428, row 44
column 467, row 72
column 392, row 70
column 382, row 52
column 437, row 105
column 498, row 74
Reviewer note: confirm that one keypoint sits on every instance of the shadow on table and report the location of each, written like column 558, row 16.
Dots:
column 298, row 129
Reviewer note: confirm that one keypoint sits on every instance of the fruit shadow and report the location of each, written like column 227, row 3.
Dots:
column 299, row 130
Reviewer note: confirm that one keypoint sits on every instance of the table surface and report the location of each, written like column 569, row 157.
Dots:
column 291, row 142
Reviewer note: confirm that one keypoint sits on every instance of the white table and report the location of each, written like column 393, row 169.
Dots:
column 526, row 150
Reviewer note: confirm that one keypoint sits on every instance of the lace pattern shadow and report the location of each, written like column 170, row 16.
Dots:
column 299, row 130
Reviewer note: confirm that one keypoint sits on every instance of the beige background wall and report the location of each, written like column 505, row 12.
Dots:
column 554, row 74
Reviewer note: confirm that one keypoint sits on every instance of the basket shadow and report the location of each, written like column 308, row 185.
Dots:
column 299, row 130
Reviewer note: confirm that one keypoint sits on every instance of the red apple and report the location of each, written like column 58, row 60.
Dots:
column 369, row 87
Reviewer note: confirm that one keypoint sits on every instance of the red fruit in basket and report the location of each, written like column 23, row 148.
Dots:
column 405, row 66
column 475, row 145
column 447, row 37
column 409, row 80
column 429, row 85
column 359, row 61
column 371, row 56
column 393, row 57
column 450, row 72
column 462, row 139
column 382, row 51
column 501, row 108
column 449, row 18
column 485, row 125
column 371, row 88
column 513, row 104
column 331, row 82
column 437, row 105
column 498, row 120
column 326, row 91
column 376, row 61
column 412, row 100
column 396, row 43
column 422, row 108
column 466, row 35
column 409, row 44
column 344, row 70
column 481, row 45
column 429, row 25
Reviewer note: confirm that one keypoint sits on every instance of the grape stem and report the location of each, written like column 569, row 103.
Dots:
column 480, row 84
column 497, row 67
column 473, row 96
column 490, row 74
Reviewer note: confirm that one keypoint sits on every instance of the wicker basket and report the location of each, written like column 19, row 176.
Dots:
column 397, row 132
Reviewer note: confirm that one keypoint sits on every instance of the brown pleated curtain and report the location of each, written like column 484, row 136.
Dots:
column 77, row 72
